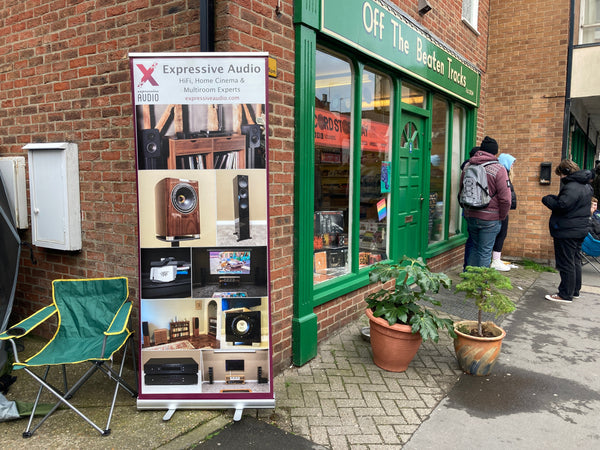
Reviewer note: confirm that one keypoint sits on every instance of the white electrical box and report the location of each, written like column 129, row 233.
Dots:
column 12, row 170
column 54, row 195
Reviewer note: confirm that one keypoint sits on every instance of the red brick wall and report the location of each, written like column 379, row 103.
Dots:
column 253, row 26
column 64, row 76
column 526, row 75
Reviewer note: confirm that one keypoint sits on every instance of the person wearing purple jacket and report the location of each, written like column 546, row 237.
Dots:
column 484, row 224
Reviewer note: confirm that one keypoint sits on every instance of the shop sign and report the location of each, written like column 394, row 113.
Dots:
column 377, row 28
column 201, row 129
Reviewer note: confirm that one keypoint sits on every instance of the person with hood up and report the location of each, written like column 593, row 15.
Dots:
column 507, row 161
column 484, row 224
column 569, row 224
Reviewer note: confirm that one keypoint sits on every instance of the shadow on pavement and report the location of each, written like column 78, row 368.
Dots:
column 251, row 433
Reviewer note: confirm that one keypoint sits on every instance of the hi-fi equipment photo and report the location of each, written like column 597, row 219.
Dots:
column 241, row 207
column 242, row 327
column 177, row 209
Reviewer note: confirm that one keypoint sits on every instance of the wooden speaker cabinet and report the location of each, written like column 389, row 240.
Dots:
column 177, row 209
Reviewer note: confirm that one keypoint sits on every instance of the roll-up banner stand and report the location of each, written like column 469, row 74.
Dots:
column 201, row 129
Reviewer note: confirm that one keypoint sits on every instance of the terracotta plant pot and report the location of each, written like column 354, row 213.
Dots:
column 477, row 355
column 394, row 347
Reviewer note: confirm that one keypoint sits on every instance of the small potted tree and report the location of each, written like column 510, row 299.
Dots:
column 477, row 343
column 399, row 321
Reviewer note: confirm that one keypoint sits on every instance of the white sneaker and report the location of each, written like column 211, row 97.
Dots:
column 509, row 264
column 499, row 265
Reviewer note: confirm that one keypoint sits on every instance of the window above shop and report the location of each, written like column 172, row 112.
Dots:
column 590, row 22
column 470, row 11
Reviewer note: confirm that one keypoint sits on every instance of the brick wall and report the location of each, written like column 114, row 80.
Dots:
column 64, row 76
column 524, row 109
column 253, row 26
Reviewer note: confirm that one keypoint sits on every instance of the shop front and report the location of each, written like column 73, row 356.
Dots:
column 385, row 114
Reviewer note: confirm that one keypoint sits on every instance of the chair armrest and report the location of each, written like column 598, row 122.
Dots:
column 25, row 326
column 119, row 322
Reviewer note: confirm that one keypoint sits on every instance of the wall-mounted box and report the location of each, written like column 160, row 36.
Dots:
column 12, row 169
column 54, row 195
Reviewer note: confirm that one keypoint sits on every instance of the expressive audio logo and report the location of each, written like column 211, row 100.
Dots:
column 147, row 75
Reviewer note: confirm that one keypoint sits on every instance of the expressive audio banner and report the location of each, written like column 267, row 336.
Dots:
column 201, row 128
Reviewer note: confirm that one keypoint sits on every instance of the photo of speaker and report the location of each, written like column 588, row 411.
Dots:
column 242, row 327
column 253, row 134
column 177, row 210
column 196, row 326
column 241, row 207
column 259, row 376
column 146, row 334
column 152, row 149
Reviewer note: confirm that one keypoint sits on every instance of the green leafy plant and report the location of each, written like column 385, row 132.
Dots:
column 400, row 304
column 483, row 285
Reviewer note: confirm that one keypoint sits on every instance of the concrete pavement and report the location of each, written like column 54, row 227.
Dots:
column 544, row 393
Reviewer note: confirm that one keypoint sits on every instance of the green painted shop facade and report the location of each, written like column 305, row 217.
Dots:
column 385, row 114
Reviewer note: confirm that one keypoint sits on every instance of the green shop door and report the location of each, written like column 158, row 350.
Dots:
column 411, row 200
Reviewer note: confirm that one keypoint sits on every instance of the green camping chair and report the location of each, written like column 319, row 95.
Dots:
column 92, row 325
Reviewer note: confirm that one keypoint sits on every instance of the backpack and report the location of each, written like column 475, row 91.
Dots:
column 474, row 193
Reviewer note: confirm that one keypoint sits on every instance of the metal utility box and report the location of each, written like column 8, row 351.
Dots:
column 12, row 169
column 54, row 195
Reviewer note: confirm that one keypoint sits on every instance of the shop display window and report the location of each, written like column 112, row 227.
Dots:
column 375, row 167
column 333, row 165
column 437, row 178
column 445, row 169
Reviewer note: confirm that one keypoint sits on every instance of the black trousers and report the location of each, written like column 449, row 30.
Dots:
column 499, row 243
column 567, row 253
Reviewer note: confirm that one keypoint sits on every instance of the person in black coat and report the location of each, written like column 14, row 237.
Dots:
column 569, row 225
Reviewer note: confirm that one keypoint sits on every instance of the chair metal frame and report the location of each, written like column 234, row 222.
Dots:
column 118, row 327
column 590, row 250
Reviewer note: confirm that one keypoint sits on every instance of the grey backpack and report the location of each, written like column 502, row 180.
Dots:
column 474, row 193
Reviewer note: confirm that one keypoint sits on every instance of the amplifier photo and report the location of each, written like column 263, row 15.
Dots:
column 173, row 380
column 171, row 366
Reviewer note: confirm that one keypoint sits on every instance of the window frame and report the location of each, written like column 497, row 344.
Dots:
column 470, row 14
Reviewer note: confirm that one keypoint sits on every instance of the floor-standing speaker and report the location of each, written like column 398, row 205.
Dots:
column 196, row 326
column 177, row 209
column 146, row 334
column 211, row 375
column 152, row 149
column 241, row 207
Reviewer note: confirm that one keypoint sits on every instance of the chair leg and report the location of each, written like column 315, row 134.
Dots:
column 28, row 433
column 589, row 261
column 62, row 399
column 120, row 382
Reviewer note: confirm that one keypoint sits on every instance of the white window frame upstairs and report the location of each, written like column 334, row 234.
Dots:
column 470, row 13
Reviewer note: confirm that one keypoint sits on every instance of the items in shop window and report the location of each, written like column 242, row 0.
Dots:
column 385, row 177
column 317, row 242
column 336, row 258
column 374, row 258
column 329, row 222
column 363, row 258
column 320, row 261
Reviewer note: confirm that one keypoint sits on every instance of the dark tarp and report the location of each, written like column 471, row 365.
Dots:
column 10, row 252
